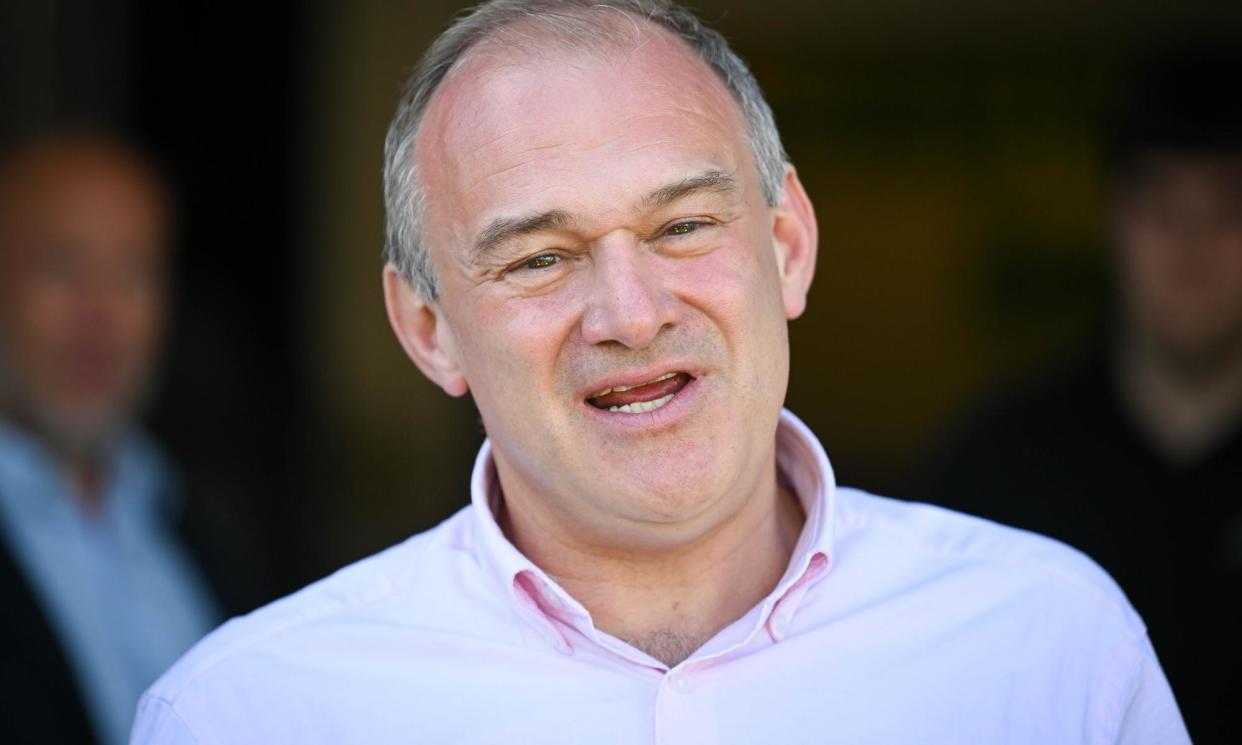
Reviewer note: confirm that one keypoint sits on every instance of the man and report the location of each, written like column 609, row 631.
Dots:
column 1135, row 454
column 99, row 596
column 593, row 229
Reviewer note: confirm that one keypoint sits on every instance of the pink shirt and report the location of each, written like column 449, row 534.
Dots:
column 894, row 623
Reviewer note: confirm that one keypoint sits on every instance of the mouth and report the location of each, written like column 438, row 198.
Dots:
column 641, row 398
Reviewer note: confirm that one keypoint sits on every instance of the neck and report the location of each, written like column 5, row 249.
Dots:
column 1183, row 411
column 669, row 602
column 86, row 478
column 83, row 467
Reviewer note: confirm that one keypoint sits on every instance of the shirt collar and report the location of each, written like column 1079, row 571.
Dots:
column 802, row 466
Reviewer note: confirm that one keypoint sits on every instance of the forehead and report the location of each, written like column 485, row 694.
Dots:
column 533, row 127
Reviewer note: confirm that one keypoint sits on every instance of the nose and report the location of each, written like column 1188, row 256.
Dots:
column 628, row 304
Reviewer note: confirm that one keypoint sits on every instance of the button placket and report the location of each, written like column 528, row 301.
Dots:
column 684, row 708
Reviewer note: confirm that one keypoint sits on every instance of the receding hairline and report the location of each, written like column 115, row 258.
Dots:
column 535, row 40
column 595, row 30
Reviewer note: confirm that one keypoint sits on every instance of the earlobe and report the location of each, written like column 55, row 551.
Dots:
column 795, row 238
column 423, row 334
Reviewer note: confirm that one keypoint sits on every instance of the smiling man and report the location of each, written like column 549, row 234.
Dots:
column 593, row 229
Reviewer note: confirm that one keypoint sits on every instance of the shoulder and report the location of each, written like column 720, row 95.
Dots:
column 361, row 593
column 992, row 559
column 1018, row 616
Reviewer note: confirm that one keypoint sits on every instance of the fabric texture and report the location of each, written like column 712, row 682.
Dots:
column 894, row 623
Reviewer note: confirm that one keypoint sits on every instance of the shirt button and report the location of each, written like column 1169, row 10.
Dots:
column 683, row 682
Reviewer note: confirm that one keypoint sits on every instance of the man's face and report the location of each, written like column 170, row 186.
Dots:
column 81, row 290
column 597, row 223
column 1180, row 244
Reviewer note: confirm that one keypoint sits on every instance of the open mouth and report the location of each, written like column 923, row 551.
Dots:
column 643, row 397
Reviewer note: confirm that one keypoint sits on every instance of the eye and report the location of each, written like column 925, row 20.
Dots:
column 542, row 261
column 682, row 228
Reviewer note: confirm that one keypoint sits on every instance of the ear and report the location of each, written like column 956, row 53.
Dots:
column 423, row 334
column 795, row 238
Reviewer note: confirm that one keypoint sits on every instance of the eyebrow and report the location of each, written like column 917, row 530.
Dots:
column 503, row 229
column 708, row 181
column 506, row 228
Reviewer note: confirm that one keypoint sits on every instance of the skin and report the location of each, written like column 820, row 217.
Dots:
column 83, row 233
column 666, row 525
column 1179, row 239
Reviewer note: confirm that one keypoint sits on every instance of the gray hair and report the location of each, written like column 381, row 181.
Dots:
column 571, row 20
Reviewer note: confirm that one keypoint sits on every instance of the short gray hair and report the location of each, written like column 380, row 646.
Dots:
column 576, row 20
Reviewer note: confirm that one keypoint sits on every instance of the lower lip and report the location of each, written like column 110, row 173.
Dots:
column 665, row 416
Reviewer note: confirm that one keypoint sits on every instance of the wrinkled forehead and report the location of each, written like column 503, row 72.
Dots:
column 529, row 88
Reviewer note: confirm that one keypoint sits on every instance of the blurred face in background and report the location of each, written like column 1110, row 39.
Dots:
column 83, row 232
column 1179, row 231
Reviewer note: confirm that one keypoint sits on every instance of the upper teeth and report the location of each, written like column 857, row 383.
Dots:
column 620, row 388
column 639, row 407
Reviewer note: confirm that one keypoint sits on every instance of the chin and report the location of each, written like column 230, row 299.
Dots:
column 658, row 493
column 84, row 426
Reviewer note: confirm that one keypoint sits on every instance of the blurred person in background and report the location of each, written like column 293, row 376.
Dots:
column 100, row 593
column 1135, row 454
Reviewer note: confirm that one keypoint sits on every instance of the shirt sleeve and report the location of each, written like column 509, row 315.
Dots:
column 1150, row 714
column 157, row 723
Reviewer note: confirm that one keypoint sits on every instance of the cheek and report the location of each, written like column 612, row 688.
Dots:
column 1228, row 273
column 1144, row 258
column 42, row 316
column 512, row 354
column 515, row 343
column 737, row 288
column 1229, row 249
column 142, row 317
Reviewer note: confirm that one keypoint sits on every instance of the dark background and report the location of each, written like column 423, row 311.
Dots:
column 951, row 149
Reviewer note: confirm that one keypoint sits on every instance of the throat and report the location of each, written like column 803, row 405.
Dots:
column 670, row 647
